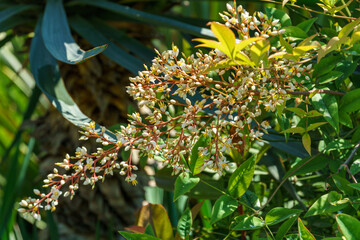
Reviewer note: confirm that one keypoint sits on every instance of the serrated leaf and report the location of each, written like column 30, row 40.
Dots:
column 325, row 204
column 306, row 141
column 241, row 178
column 350, row 102
column 184, row 224
column 197, row 161
column 349, row 226
column 300, row 112
column 57, row 37
column 46, row 73
column 315, row 125
column 223, row 207
column 137, row 236
column 279, row 214
column 285, row 227
column 247, row 223
column 294, row 130
column 304, row 233
column 183, row 184
column 327, row 105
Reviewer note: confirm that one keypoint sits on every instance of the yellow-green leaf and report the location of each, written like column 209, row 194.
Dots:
column 258, row 51
column 315, row 125
column 306, row 140
column 304, row 233
column 294, row 130
column 225, row 36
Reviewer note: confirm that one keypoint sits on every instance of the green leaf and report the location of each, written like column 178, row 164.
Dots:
column 315, row 125
column 326, row 204
column 288, row 47
column 245, row 42
column 355, row 167
column 350, row 102
column 285, row 227
column 197, row 161
column 223, row 207
column 306, row 25
column 355, row 186
column 327, row 105
column 241, row 178
column 342, row 185
column 314, row 165
column 306, row 140
column 325, row 65
column 345, row 119
column 331, row 76
column 250, row 199
column 57, row 37
column 184, row 224
column 87, row 31
column 137, row 236
column 259, row 50
column 338, row 144
column 147, row 18
column 294, row 130
column 11, row 11
column 278, row 14
column 46, row 73
column 304, row 233
column 349, row 226
column 225, row 36
column 313, row 113
column 247, row 223
column 183, row 184
column 295, row 33
column 279, row 214
column 298, row 111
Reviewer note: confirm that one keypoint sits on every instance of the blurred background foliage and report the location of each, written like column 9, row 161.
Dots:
column 33, row 135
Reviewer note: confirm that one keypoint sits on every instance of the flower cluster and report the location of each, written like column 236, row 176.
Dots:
column 190, row 97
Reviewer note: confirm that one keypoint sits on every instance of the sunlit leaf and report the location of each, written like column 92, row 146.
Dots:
column 304, row 233
column 223, row 207
column 183, row 184
column 196, row 159
column 279, row 214
column 326, row 204
column 350, row 102
column 247, row 223
column 306, row 140
column 349, row 226
column 294, row 130
column 285, row 227
column 327, row 105
column 315, row 125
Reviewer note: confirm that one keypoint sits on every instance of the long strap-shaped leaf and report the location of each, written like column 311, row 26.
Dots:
column 57, row 37
column 47, row 76
column 148, row 17
column 86, row 30
column 11, row 11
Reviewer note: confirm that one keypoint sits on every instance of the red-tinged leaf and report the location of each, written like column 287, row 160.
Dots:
column 135, row 229
column 315, row 125
column 306, row 140
column 304, row 233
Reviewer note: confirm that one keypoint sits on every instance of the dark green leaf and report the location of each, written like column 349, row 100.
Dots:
column 11, row 11
column 247, row 223
column 279, row 214
column 304, row 233
column 342, row 185
column 223, row 207
column 184, row 224
column 298, row 111
column 355, row 167
column 278, row 14
column 197, row 161
column 86, row 30
column 250, row 199
column 355, row 186
column 285, row 227
column 338, row 144
column 46, row 73
column 148, row 18
column 345, row 119
column 350, row 101
column 295, row 33
column 331, row 76
column 241, row 178
column 326, row 204
column 306, row 25
column 137, row 236
column 315, row 125
column 57, row 37
column 183, row 184
column 325, row 65
column 314, row 165
column 349, row 226
column 327, row 105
